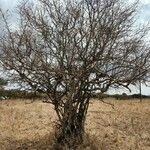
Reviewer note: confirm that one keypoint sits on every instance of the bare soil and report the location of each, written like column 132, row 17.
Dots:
column 30, row 126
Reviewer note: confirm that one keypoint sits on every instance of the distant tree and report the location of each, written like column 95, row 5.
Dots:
column 3, row 83
column 69, row 49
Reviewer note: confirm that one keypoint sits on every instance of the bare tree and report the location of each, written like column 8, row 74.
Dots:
column 69, row 49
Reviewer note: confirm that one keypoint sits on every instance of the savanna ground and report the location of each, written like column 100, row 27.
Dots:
column 30, row 126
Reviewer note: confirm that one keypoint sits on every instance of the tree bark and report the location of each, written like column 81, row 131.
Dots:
column 71, row 131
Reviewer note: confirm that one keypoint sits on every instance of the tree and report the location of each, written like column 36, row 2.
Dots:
column 3, row 83
column 70, row 49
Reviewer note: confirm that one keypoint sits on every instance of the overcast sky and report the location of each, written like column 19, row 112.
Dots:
column 144, row 15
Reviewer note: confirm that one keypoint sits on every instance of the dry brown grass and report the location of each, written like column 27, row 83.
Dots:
column 25, row 125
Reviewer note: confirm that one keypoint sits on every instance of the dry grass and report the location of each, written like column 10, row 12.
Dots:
column 25, row 125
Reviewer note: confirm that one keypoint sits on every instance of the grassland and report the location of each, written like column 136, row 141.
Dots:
column 30, row 126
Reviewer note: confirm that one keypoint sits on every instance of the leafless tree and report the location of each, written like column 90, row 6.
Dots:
column 69, row 49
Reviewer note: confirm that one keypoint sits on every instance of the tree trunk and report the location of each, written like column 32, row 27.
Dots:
column 71, row 131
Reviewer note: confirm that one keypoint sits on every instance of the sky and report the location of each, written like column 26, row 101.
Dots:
column 144, row 16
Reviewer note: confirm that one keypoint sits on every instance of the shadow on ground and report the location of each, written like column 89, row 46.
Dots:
column 44, row 143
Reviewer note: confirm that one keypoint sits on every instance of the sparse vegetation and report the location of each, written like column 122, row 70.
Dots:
column 25, row 125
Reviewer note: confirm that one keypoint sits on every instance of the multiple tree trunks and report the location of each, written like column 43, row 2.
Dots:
column 71, row 131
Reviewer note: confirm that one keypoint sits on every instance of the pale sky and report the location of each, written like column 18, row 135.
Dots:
column 144, row 15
